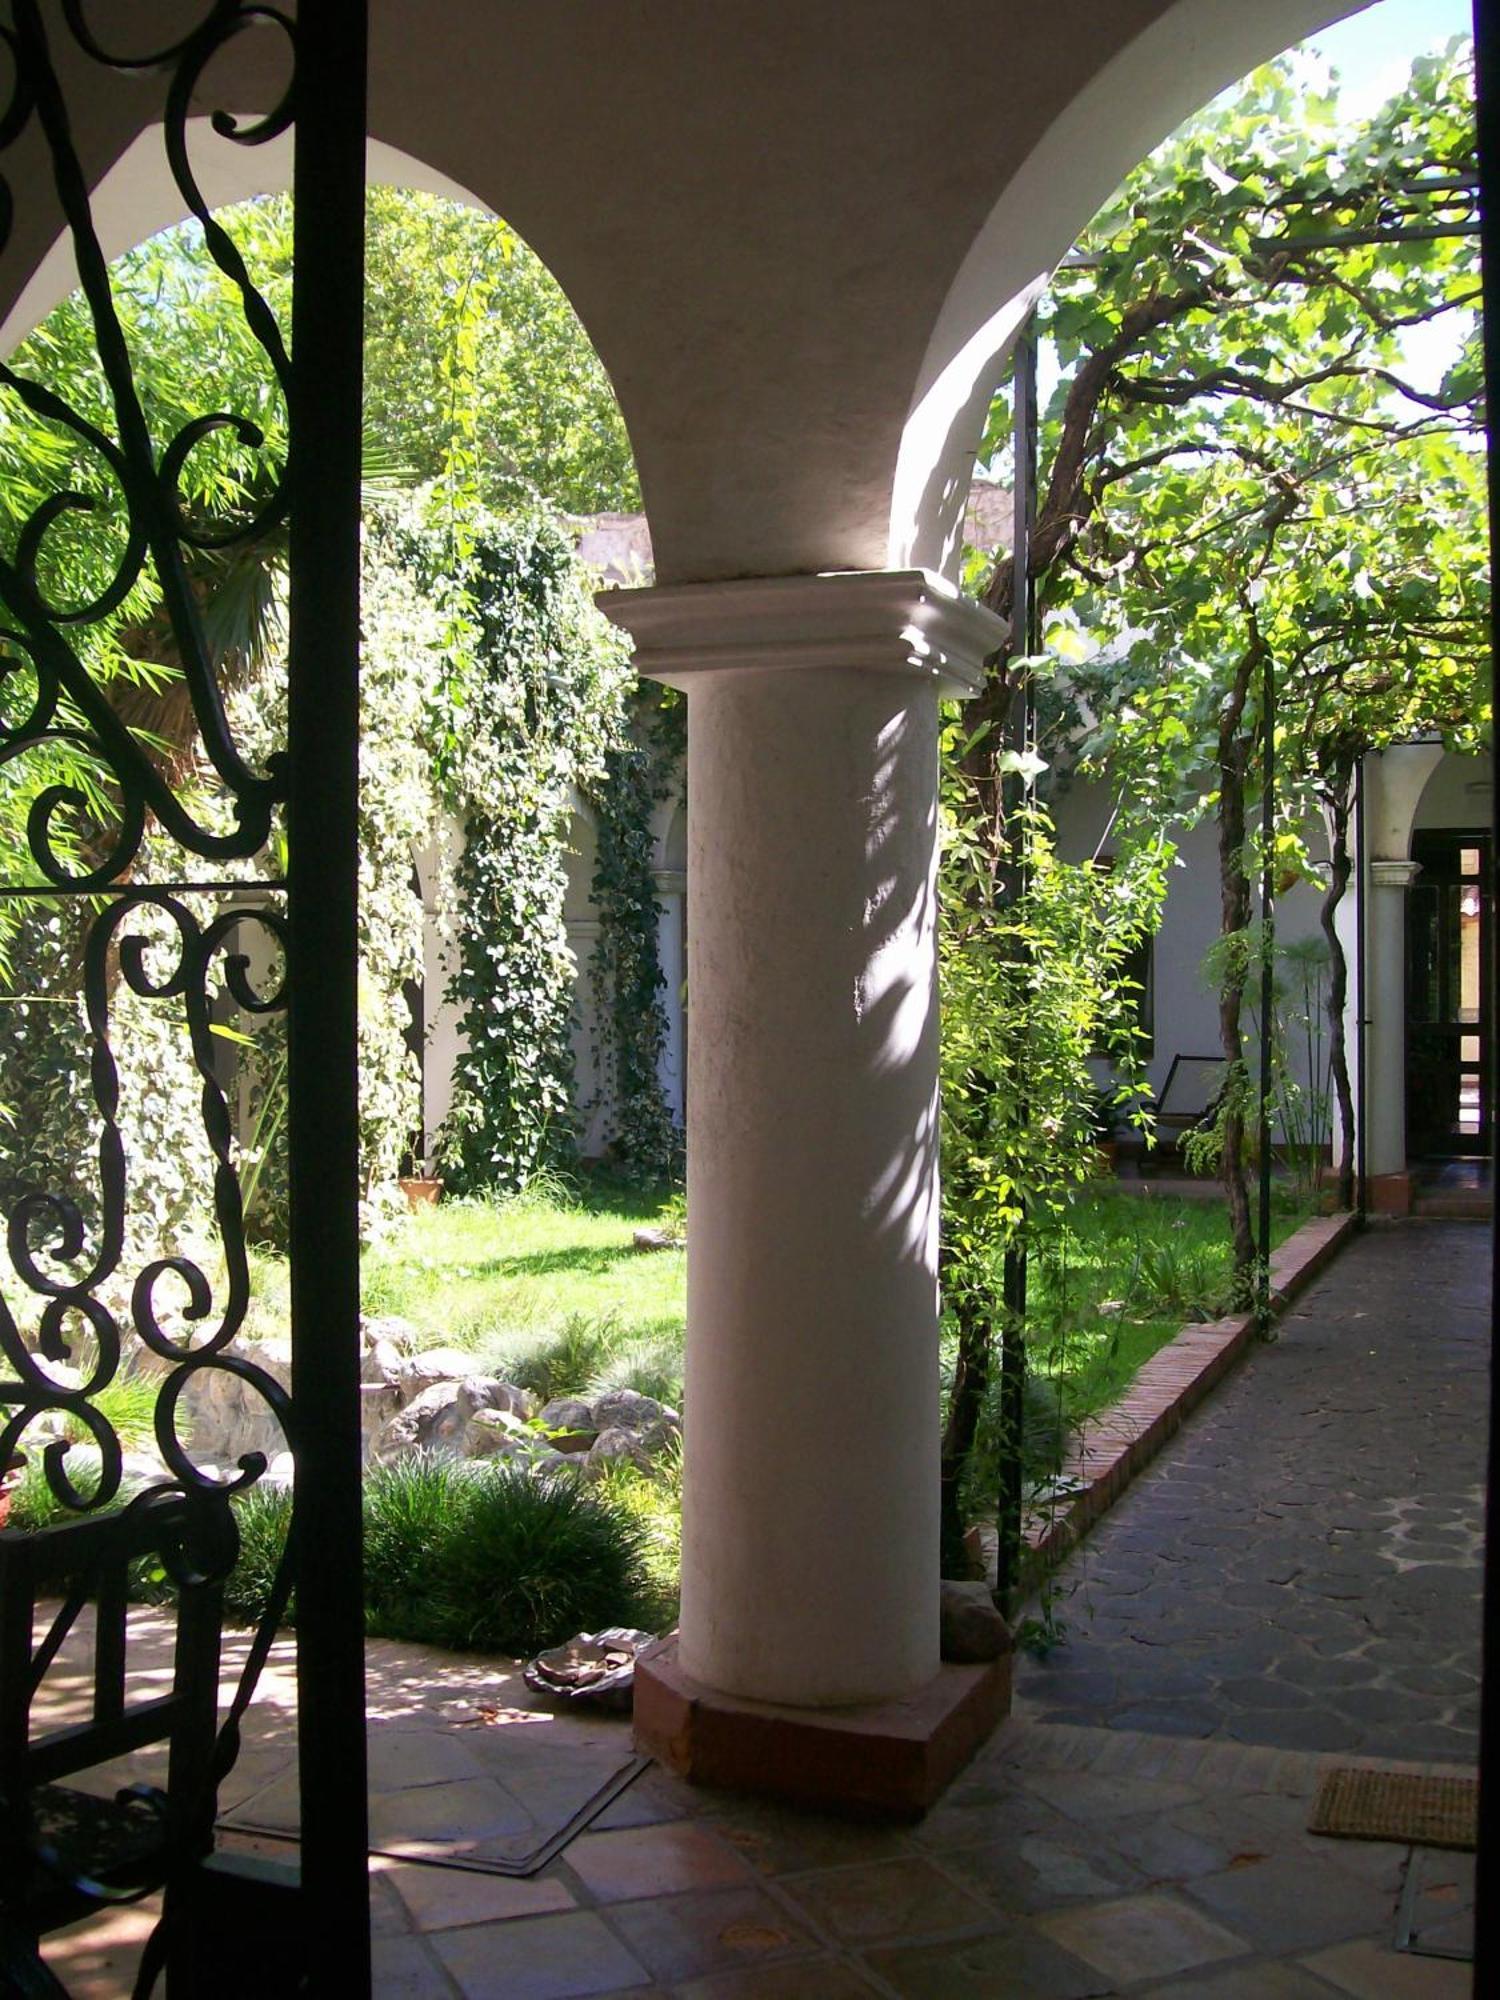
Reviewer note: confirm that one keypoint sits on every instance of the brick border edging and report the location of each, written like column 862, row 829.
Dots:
column 1122, row 1440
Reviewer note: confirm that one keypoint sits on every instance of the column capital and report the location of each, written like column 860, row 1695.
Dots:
column 1394, row 874
column 898, row 621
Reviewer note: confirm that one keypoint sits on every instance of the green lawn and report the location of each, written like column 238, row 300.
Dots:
column 549, row 1288
column 517, row 1280
column 1119, row 1279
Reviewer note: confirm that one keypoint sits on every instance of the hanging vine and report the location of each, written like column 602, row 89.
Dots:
column 525, row 708
column 625, row 972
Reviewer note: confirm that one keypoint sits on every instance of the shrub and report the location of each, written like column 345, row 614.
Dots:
column 651, row 1365
column 536, row 1560
column 566, row 1364
column 490, row 1558
column 412, row 1511
column 264, row 1517
column 653, row 1500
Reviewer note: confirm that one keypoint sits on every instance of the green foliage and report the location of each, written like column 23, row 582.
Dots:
column 625, row 969
column 263, row 1515
column 480, row 377
column 480, row 1557
column 1248, row 467
column 527, row 655
column 653, row 1502
column 490, row 1558
column 1034, row 990
column 567, row 1363
column 545, row 424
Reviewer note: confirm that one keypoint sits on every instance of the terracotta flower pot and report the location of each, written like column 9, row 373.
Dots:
column 420, row 1192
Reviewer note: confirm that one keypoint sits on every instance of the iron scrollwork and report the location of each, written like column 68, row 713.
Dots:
column 152, row 942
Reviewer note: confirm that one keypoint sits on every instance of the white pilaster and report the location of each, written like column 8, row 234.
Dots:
column 1386, row 962
column 810, row 1571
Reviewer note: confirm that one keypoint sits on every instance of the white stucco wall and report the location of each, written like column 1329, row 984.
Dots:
column 1186, row 1011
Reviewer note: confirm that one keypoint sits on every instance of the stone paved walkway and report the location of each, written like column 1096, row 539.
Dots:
column 1301, row 1566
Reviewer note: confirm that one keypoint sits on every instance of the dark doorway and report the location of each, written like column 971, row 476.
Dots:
column 1448, row 997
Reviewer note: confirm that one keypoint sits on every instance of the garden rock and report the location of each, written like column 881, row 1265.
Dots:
column 434, row 1364
column 489, row 1433
column 658, row 1239
column 382, row 1359
column 970, row 1629
column 569, row 1423
column 626, row 1409
column 488, row 1392
column 225, row 1416
column 436, row 1419
column 617, row 1446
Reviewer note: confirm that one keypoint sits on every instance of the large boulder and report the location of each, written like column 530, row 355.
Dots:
column 626, row 1410
column 568, row 1423
column 617, row 1447
column 475, row 1417
column 432, row 1364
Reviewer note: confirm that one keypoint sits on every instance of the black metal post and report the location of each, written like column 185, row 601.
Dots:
column 1267, row 978
column 1362, row 1004
column 323, row 1127
column 1487, row 1884
column 1010, row 1509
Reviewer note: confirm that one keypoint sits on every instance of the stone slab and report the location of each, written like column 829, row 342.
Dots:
column 892, row 1758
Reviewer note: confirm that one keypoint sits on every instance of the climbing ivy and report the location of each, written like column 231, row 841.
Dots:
column 625, row 972
column 526, row 705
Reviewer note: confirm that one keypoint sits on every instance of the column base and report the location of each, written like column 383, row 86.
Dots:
column 1389, row 1194
column 890, row 1758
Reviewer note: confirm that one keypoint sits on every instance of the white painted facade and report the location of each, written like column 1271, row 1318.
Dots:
column 1409, row 788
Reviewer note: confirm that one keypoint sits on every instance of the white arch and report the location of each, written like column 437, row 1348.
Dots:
column 1189, row 53
column 138, row 198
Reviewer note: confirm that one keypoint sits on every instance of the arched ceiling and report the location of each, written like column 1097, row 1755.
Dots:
column 798, row 236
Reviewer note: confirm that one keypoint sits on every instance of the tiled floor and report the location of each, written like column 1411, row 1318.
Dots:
column 1068, row 1862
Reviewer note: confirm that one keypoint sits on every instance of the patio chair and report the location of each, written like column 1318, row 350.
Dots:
column 1188, row 1099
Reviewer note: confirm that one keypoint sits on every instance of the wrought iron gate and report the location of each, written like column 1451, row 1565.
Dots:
column 161, row 870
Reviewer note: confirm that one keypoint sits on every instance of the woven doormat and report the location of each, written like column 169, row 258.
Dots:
column 1397, row 1805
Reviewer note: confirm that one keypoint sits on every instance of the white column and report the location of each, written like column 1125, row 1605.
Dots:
column 1385, row 949
column 810, row 1558
column 671, row 892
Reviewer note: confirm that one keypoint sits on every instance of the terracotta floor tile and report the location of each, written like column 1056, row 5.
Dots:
column 682, row 1937
column 96, row 1959
column 654, row 1861
column 886, row 1900
column 443, row 1898
column 403, row 1969
column 1261, row 1981
column 538, row 1958
column 1014, row 1963
column 778, row 1840
column 805, row 1979
column 1026, row 1873
column 1149, row 1936
column 1370, row 1970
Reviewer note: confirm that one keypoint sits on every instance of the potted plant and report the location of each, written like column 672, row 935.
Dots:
column 421, row 1186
